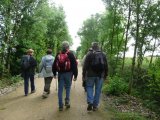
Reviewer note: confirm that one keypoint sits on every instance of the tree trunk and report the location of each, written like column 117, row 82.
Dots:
column 142, row 42
column 126, row 39
column 113, row 29
column 135, row 49
column 150, row 63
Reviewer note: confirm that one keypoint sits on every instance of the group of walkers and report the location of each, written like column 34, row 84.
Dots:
column 64, row 66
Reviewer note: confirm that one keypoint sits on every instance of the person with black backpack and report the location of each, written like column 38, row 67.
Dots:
column 28, row 64
column 46, row 70
column 84, row 78
column 66, row 66
column 95, row 71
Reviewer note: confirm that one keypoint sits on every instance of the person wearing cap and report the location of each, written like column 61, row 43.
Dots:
column 46, row 70
column 94, row 76
column 65, row 75
column 29, row 72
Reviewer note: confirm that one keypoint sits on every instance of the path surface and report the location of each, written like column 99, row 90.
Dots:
column 15, row 106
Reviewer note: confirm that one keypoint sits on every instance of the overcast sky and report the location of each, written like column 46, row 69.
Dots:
column 76, row 12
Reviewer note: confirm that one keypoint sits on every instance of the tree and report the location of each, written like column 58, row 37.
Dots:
column 29, row 24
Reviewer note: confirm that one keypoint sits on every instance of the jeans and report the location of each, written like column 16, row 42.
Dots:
column 64, row 80
column 93, row 96
column 28, row 76
column 47, row 83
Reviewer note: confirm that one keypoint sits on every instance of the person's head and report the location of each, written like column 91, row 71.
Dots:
column 95, row 46
column 49, row 51
column 65, row 45
column 90, row 49
column 30, row 51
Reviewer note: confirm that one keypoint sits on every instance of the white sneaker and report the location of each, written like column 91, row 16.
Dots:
column 44, row 95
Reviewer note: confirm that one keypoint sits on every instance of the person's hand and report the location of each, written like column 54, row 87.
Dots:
column 74, row 79
column 54, row 77
column 39, row 75
column 83, row 79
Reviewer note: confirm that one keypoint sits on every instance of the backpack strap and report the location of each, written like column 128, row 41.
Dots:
column 66, row 52
column 43, row 62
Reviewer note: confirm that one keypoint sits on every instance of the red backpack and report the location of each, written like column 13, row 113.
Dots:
column 63, row 62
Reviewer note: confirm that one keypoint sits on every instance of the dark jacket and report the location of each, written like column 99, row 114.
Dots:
column 32, row 67
column 87, row 70
column 73, row 64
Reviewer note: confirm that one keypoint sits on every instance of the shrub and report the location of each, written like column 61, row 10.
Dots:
column 8, row 81
column 116, row 86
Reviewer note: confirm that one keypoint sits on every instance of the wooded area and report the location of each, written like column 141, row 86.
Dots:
column 28, row 24
column 125, row 23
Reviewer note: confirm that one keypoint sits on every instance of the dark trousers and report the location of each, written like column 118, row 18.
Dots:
column 47, row 84
column 27, row 77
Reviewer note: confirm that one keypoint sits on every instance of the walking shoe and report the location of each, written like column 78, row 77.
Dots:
column 48, row 92
column 60, row 108
column 95, row 108
column 67, row 104
column 33, row 91
column 89, row 108
column 45, row 94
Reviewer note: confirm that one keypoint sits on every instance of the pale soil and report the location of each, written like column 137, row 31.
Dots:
column 15, row 106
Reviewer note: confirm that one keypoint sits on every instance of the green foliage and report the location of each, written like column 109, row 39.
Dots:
column 29, row 24
column 154, row 82
column 8, row 81
column 89, row 33
column 147, row 85
column 129, row 116
column 116, row 86
column 124, row 21
column 152, row 104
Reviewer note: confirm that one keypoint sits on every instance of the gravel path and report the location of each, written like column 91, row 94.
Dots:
column 15, row 106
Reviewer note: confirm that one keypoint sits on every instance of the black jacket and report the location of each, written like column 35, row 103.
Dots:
column 73, row 64
column 87, row 70
column 33, row 65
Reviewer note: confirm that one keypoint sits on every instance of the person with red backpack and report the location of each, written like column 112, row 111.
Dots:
column 66, row 66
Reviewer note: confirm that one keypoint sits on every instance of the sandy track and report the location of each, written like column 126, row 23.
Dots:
column 15, row 106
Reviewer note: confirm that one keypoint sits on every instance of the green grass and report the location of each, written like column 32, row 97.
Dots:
column 128, row 116
column 116, row 115
column 128, row 61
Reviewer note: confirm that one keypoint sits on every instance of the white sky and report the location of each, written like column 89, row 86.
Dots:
column 76, row 12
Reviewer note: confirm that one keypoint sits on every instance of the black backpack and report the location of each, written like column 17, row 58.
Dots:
column 98, row 63
column 25, row 62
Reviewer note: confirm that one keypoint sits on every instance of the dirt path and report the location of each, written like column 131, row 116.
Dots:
column 15, row 106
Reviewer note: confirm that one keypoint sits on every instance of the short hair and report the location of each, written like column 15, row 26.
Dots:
column 49, row 51
column 65, row 45
column 95, row 45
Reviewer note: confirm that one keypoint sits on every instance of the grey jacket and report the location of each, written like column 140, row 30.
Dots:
column 42, row 69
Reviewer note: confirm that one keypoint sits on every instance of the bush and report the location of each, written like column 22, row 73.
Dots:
column 9, row 81
column 154, row 82
column 116, row 86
